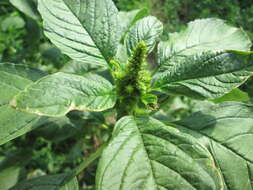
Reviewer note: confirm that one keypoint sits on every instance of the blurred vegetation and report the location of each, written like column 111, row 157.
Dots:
column 175, row 13
column 22, row 41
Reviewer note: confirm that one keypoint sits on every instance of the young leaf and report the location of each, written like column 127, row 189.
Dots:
column 127, row 19
column 146, row 154
column 227, row 130
column 54, row 182
column 193, row 54
column 87, row 30
column 205, row 75
column 57, row 94
column 147, row 29
column 13, row 79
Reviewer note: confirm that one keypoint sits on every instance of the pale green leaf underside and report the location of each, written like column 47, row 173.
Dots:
column 55, row 95
column 186, row 61
column 50, row 182
column 146, row 154
column 13, row 79
column 85, row 30
column 147, row 29
column 227, row 130
column 205, row 75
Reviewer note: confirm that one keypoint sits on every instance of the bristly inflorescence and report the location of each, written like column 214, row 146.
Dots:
column 133, row 82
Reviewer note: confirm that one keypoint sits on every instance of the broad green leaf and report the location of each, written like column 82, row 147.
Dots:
column 29, row 7
column 146, row 154
column 235, row 95
column 127, row 19
column 205, row 75
column 227, row 130
column 13, row 79
column 193, row 54
column 50, row 182
column 57, row 94
column 147, row 29
column 11, row 168
column 87, row 30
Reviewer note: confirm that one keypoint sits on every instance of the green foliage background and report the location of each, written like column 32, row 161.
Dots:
column 175, row 13
column 22, row 41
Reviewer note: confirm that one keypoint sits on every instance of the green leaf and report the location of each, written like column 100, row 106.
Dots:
column 227, row 130
column 13, row 79
column 127, row 19
column 188, row 60
column 205, row 75
column 87, row 30
column 235, row 95
column 11, row 168
column 205, row 35
column 50, row 182
column 57, row 94
column 148, row 30
column 146, row 154
column 29, row 7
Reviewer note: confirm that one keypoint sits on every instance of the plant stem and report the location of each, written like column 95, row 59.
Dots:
column 92, row 157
